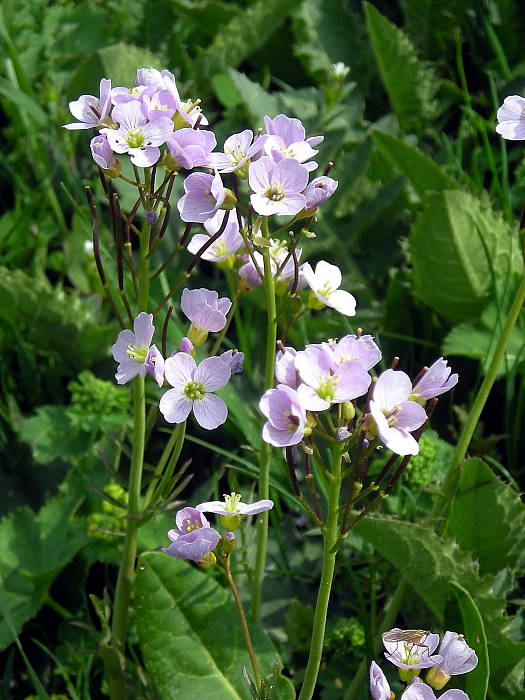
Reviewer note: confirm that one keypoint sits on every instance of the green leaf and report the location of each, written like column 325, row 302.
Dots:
column 459, row 247
column 477, row 681
column 483, row 500
column 46, row 313
column 478, row 339
column 23, row 102
column 431, row 23
column 325, row 34
column 256, row 100
column 242, row 36
column 50, row 435
column 424, row 174
column 190, row 634
column 118, row 62
column 410, row 84
column 33, row 551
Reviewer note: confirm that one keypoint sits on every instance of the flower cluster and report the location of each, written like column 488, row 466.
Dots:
column 331, row 373
column 195, row 540
column 192, row 385
column 412, row 650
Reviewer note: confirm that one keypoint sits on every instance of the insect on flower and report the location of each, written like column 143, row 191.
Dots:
column 413, row 637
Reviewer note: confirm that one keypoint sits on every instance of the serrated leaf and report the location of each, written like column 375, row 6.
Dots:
column 477, row 680
column 410, row 84
column 50, row 434
column 481, row 501
column 429, row 562
column 424, row 174
column 46, row 313
column 459, row 247
column 190, row 635
column 242, row 36
column 33, row 550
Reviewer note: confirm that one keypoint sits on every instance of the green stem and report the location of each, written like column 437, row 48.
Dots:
column 126, row 573
column 266, row 449
column 330, row 535
column 60, row 609
column 127, row 564
column 244, row 623
column 451, row 480
column 169, row 456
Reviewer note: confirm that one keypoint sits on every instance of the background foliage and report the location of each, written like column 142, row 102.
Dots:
column 423, row 224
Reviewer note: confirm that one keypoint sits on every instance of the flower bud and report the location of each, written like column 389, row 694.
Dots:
column 342, row 434
column 348, row 410
column 310, row 424
column 228, row 542
column 186, row 346
column 437, row 678
column 407, row 674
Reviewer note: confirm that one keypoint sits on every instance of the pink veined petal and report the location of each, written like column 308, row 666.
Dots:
column 263, row 205
column 179, row 370
column 210, row 319
column 513, row 130
column 144, row 157
column 220, row 162
column 411, row 416
column 291, row 204
column 143, row 328
column 211, row 411
column 128, row 370
column 292, row 176
column 342, row 301
column 73, row 126
column 195, row 207
column 129, row 115
column 192, row 300
column 158, row 131
column 116, row 140
column 419, row 691
column 217, row 507
column 217, row 190
column 105, row 96
column 511, row 109
column 224, row 305
column 393, row 387
column 402, row 443
column 213, row 373
column 257, row 507
column 310, row 400
column 196, row 243
column 280, row 438
column 354, row 381
column 301, row 151
column 119, row 349
column 175, row 407
column 454, row 694
column 327, row 274
column 260, row 174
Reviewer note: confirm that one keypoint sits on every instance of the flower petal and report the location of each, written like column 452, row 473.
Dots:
column 174, row 406
column 211, row 411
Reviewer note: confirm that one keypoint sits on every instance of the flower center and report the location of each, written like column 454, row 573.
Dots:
column 137, row 353
column 392, row 415
column 232, row 502
column 190, row 525
column 275, row 193
column 326, row 389
column 291, row 420
column 236, row 154
column 135, row 139
column 411, row 658
column 194, row 391
column 325, row 290
column 220, row 248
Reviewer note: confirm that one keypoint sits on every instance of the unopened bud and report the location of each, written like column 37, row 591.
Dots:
column 437, row 678
column 228, row 542
column 348, row 411
column 342, row 434
column 151, row 216
column 310, row 424
column 186, row 346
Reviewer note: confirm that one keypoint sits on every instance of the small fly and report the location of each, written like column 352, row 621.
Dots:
column 415, row 638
